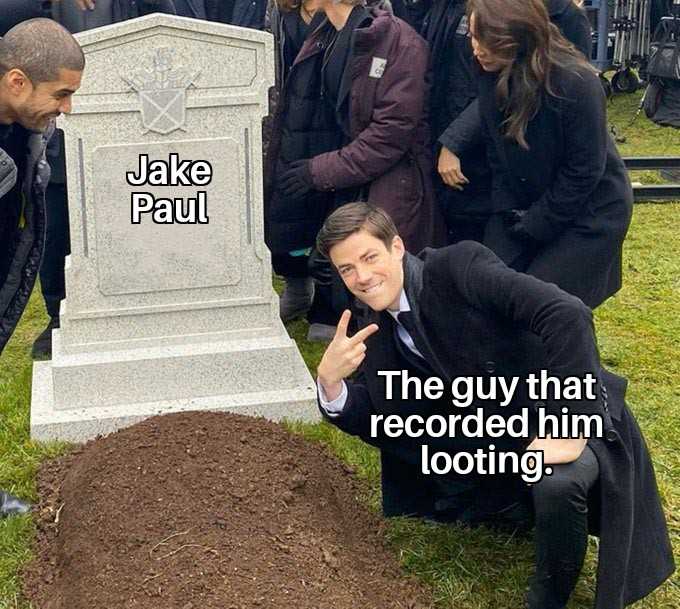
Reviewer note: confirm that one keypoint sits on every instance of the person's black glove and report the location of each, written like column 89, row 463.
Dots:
column 296, row 180
column 513, row 219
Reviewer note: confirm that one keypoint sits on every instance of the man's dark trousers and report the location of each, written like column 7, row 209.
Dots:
column 560, row 504
column 557, row 505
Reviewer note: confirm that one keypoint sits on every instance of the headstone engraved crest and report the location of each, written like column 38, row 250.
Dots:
column 162, row 93
column 169, row 303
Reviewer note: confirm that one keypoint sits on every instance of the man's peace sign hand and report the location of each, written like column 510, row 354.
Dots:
column 343, row 356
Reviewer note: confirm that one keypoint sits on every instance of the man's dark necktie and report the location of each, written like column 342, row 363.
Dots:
column 407, row 319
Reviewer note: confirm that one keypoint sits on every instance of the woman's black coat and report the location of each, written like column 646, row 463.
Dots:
column 571, row 183
column 455, row 83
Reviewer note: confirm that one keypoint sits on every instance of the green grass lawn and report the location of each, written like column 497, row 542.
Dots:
column 639, row 336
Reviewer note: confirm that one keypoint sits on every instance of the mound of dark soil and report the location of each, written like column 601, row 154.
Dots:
column 208, row 511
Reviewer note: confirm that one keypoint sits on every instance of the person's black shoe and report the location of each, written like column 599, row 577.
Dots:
column 297, row 298
column 42, row 347
column 11, row 505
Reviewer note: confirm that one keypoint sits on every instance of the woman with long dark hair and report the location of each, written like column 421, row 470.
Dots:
column 561, row 197
column 454, row 88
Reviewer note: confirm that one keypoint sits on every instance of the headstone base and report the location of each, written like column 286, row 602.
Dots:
column 273, row 383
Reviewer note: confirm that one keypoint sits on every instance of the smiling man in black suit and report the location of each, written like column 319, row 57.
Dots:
column 459, row 311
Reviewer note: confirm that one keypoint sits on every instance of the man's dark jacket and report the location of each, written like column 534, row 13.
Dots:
column 21, row 253
column 476, row 317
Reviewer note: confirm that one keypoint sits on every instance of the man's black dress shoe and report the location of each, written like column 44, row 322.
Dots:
column 11, row 505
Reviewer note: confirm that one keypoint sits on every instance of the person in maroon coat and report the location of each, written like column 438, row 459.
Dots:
column 388, row 152
column 352, row 125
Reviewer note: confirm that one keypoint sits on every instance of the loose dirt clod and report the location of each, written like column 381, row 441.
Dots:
column 208, row 510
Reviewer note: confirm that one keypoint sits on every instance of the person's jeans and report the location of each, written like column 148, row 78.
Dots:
column 57, row 247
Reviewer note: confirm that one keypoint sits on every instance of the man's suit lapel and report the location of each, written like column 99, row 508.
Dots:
column 413, row 286
column 416, row 362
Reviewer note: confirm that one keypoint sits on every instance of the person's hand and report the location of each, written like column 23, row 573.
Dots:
column 82, row 4
column 558, row 450
column 296, row 180
column 85, row 4
column 513, row 219
column 449, row 169
column 343, row 356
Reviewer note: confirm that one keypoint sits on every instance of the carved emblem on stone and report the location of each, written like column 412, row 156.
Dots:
column 162, row 92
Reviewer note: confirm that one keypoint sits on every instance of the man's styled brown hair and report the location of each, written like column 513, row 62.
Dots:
column 40, row 48
column 350, row 219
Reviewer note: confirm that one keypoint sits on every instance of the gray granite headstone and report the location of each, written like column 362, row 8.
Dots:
column 169, row 302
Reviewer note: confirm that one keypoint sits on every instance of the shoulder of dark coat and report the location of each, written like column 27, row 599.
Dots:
column 576, row 84
column 384, row 27
column 458, row 257
column 558, row 7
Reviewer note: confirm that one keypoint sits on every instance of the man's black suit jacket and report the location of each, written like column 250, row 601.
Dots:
column 477, row 317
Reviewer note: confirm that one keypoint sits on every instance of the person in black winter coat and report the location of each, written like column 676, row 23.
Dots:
column 561, row 200
column 454, row 87
column 40, row 69
column 291, row 23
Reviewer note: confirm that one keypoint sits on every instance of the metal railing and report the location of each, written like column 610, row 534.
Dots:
column 654, row 192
